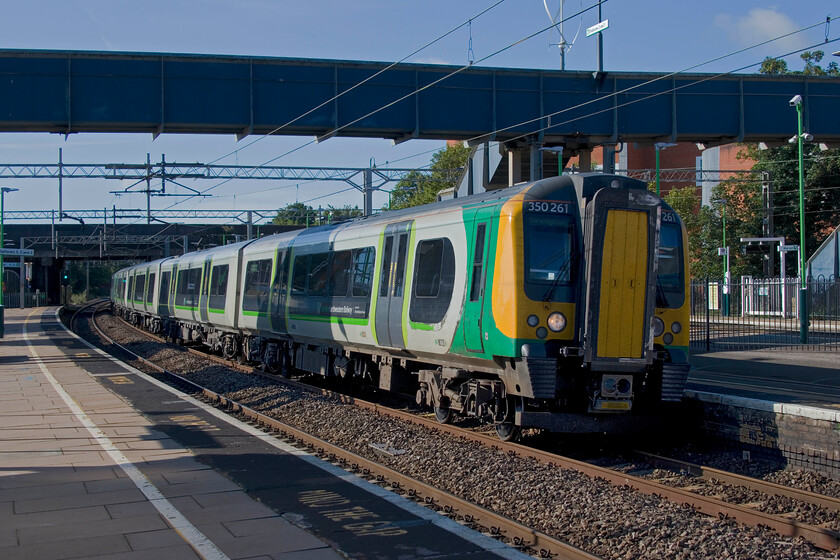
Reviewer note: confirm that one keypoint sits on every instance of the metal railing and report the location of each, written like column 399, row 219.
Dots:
column 763, row 313
column 30, row 299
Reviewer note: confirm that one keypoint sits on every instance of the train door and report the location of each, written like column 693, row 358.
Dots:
column 391, row 294
column 277, row 303
column 173, row 286
column 478, row 231
column 204, row 292
column 621, row 244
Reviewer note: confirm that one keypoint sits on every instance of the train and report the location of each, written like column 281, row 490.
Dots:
column 557, row 305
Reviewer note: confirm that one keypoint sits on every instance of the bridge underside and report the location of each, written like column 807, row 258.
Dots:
column 72, row 92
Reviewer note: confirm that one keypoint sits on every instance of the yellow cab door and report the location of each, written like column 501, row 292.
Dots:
column 623, row 284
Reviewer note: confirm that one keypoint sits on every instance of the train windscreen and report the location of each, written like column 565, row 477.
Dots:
column 550, row 252
column 670, row 284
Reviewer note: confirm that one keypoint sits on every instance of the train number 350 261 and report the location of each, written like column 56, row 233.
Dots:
column 555, row 207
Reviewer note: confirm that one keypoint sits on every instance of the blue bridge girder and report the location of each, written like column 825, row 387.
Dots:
column 77, row 91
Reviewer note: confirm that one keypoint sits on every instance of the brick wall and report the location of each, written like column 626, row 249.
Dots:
column 805, row 437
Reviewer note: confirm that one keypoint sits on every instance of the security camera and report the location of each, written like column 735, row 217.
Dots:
column 808, row 137
column 797, row 99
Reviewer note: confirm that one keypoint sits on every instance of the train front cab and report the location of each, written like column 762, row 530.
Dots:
column 626, row 350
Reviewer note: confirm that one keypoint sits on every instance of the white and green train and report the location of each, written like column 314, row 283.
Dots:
column 560, row 304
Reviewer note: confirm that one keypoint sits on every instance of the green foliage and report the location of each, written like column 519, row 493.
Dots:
column 299, row 214
column 812, row 59
column 821, row 192
column 96, row 278
column 413, row 192
column 295, row 214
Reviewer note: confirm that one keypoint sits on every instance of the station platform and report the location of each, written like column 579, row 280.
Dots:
column 792, row 377
column 98, row 460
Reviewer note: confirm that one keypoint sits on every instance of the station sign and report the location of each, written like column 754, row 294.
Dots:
column 12, row 264
column 17, row 252
column 788, row 248
column 597, row 28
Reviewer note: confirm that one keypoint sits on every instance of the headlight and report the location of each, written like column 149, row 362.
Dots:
column 668, row 338
column 624, row 386
column 608, row 385
column 533, row 320
column 676, row 327
column 658, row 326
column 542, row 332
column 556, row 321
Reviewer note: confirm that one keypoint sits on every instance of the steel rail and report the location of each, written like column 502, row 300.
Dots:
column 772, row 488
column 823, row 538
column 497, row 525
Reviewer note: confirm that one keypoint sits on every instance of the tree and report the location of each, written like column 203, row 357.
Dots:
column 821, row 193
column 821, row 171
column 296, row 214
column 347, row 212
column 411, row 191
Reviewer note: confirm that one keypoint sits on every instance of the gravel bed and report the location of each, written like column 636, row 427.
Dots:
column 609, row 521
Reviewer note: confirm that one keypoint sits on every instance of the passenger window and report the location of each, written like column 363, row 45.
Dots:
column 257, row 278
column 319, row 274
column 363, row 260
column 140, row 288
column 163, row 296
column 340, row 273
column 218, row 286
column 478, row 264
column 385, row 276
column 150, row 291
column 299, row 274
column 434, row 280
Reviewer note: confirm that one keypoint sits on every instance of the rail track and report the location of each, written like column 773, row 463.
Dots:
column 521, row 535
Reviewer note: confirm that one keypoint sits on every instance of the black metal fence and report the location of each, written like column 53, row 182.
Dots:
column 764, row 313
column 30, row 299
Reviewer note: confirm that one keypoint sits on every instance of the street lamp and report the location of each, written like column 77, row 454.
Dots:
column 724, row 252
column 796, row 101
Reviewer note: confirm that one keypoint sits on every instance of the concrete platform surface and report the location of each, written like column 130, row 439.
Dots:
column 98, row 460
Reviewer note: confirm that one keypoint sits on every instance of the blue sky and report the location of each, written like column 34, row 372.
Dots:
column 643, row 35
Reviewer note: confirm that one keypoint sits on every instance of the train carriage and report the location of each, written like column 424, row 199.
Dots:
column 559, row 304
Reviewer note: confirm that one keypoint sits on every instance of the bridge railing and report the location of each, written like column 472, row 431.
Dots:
column 763, row 313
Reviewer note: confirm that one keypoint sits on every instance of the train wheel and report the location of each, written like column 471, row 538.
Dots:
column 507, row 430
column 443, row 415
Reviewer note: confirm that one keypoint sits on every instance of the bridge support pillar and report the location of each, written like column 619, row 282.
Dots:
column 585, row 160
column 609, row 159
column 514, row 166
column 536, row 161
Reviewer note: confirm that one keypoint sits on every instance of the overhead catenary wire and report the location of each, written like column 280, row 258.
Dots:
column 566, row 109
column 369, row 78
column 642, row 84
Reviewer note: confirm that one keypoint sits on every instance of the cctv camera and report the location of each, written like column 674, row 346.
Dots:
column 797, row 99
column 808, row 137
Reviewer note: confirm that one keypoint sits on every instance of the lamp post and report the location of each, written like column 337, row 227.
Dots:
column 796, row 101
column 724, row 251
